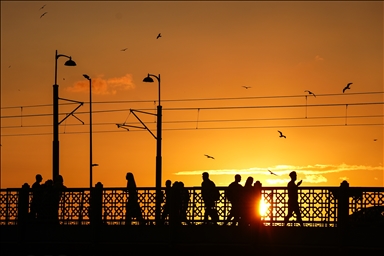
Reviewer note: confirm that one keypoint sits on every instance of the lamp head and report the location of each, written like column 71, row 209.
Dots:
column 86, row 76
column 70, row 62
column 148, row 79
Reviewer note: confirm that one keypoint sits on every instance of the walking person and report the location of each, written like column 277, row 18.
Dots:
column 185, row 197
column 58, row 189
column 47, row 207
column 175, row 206
column 133, row 209
column 167, row 204
column 248, row 206
column 293, row 204
column 234, row 196
column 37, row 197
column 210, row 195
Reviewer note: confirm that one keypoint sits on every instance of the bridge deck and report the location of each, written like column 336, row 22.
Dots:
column 189, row 240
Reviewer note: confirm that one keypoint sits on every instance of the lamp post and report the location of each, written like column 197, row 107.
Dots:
column 55, row 143
column 158, row 151
column 90, row 131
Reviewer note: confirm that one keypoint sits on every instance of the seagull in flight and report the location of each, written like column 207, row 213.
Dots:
column 309, row 92
column 374, row 139
column 123, row 50
column 208, row 156
column 347, row 87
column 42, row 7
column 282, row 135
column 43, row 15
column 158, row 36
column 246, row 87
column 272, row 173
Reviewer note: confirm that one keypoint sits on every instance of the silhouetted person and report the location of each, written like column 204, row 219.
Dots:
column 210, row 194
column 47, row 213
column 234, row 196
column 175, row 206
column 58, row 189
column 37, row 197
column 293, row 204
column 184, row 203
column 256, row 219
column 167, row 205
column 248, row 202
column 133, row 209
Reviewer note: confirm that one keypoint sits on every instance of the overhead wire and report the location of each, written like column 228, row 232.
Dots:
column 209, row 121
column 209, row 128
column 209, row 108
column 197, row 121
column 201, row 99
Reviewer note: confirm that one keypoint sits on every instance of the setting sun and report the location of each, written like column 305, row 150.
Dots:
column 263, row 208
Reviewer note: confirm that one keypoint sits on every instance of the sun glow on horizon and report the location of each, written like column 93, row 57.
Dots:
column 263, row 208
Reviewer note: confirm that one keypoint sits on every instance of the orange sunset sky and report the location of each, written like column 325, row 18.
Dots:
column 207, row 55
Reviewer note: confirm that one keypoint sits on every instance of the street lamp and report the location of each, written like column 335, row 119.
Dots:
column 158, row 151
column 90, row 131
column 55, row 143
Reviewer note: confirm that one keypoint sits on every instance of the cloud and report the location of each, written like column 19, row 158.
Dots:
column 316, row 169
column 318, row 58
column 277, row 181
column 314, row 179
column 309, row 63
column 308, row 179
column 312, row 173
column 104, row 86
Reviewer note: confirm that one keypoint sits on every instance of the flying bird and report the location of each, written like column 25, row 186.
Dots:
column 43, row 14
column 282, row 135
column 272, row 173
column 246, row 87
column 374, row 139
column 123, row 50
column 309, row 92
column 208, row 156
column 9, row 66
column 42, row 7
column 347, row 87
column 158, row 36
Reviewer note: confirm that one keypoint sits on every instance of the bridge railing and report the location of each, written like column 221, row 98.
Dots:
column 319, row 206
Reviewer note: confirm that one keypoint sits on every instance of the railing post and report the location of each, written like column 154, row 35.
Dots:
column 23, row 205
column 96, row 205
column 257, row 186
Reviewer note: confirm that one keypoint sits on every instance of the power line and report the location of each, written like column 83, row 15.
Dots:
column 210, row 108
column 202, row 99
column 278, row 106
column 208, row 121
column 37, row 106
column 210, row 128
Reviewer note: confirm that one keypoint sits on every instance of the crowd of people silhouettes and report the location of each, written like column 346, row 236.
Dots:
column 46, row 199
column 243, row 199
column 243, row 202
